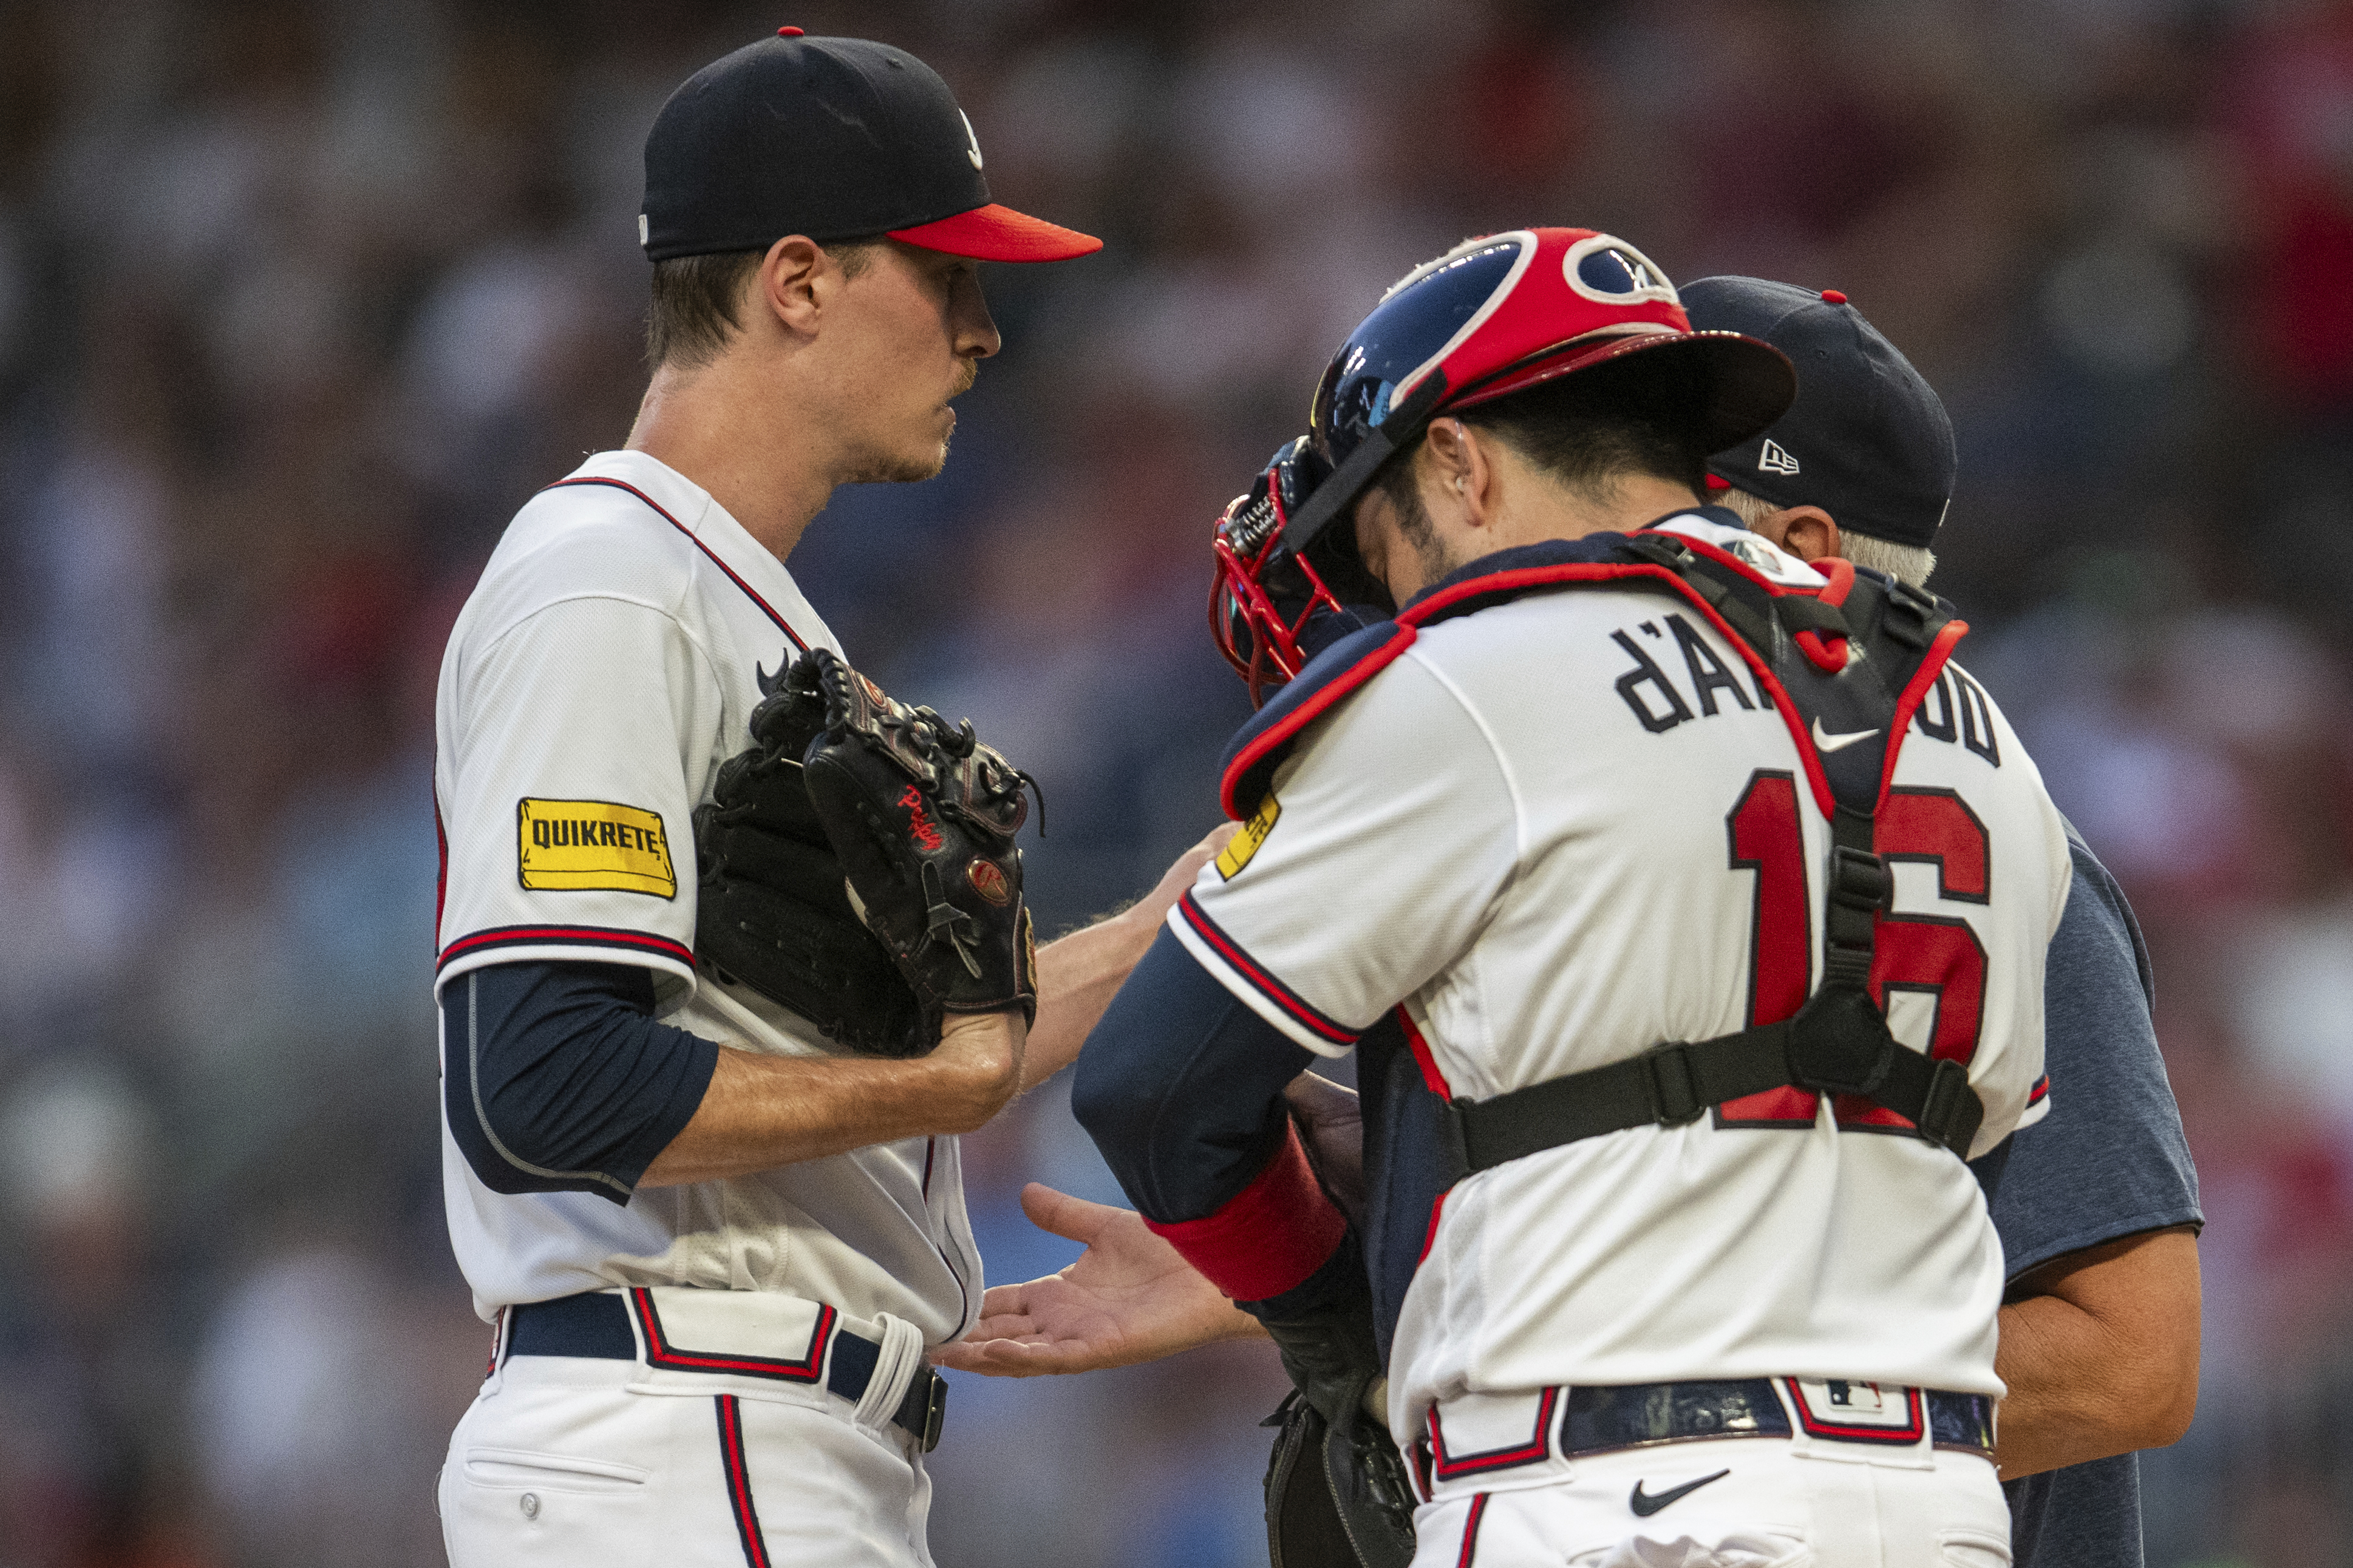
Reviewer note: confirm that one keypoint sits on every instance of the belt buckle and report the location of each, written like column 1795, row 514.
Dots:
column 935, row 1409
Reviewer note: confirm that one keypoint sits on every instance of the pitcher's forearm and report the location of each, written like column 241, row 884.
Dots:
column 762, row 1111
column 1077, row 977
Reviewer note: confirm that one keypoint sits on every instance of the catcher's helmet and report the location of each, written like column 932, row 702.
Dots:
column 1493, row 316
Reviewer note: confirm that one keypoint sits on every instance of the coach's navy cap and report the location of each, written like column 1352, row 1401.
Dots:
column 1867, row 440
column 832, row 138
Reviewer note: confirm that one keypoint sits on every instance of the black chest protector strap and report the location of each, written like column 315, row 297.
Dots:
column 1838, row 1043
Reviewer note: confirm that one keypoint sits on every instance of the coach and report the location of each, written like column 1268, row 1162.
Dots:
column 2097, row 1203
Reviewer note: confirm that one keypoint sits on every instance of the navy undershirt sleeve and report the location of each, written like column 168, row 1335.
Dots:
column 2109, row 1160
column 556, row 1079
column 1181, row 1086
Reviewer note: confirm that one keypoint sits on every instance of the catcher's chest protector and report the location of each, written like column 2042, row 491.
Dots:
column 1847, row 665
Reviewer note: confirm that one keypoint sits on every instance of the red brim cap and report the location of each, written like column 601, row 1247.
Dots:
column 996, row 233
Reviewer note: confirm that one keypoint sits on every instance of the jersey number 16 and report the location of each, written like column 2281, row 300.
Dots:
column 1937, row 956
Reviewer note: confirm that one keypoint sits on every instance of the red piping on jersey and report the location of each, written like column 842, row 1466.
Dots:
column 557, row 936
column 1932, row 665
column 1422, row 1057
column 1420, row 1479
column 1436, row 1082
column 661, row 1352
column 1268, row 1237
column 2041, row 1091
column 765, row 608
column 1430, row 1236
column 1537, row 1448
column 1421, row 611
column 1471, row 1530
column 1307, row 712
column 739, row 1482
column 1267, row 986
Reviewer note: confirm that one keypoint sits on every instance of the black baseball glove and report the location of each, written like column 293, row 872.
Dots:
column 1333, row 1499
column 770, row 908
column 922, row 816
column 1335, row 1485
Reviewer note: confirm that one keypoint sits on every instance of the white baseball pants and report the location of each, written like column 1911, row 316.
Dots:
column 1751, row 1502
column 566, row 1462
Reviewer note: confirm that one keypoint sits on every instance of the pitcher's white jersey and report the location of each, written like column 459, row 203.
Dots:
column 603, row 669
column 1569, row 827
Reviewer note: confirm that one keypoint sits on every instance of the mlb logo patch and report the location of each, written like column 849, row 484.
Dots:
column 1857, row 1412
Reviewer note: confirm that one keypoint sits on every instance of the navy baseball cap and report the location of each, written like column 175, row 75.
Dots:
column 1867, row 439
column 832, row 138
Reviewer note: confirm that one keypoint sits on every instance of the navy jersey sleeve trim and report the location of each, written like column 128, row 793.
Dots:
column 1180, row 1086
column 555, row 1076
column 1262, row 979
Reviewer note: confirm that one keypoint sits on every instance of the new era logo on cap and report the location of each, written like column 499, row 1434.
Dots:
column 1878, row 448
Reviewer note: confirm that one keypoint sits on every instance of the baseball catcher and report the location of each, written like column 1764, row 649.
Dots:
column 1683, row 972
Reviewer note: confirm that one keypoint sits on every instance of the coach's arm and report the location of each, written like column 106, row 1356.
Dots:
column 2100, row 1350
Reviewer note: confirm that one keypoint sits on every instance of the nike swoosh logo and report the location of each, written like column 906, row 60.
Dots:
column 1824, row 741
column 1646, row 1504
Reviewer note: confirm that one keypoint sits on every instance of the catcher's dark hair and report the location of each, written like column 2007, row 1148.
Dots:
column 1617, row 419
column 1623, row 417
column 693, row 313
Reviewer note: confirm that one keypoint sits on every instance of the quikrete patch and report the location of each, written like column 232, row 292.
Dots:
column 569, row 845
column 1243, row 845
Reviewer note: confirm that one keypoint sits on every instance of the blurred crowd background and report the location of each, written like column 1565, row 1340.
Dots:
column 300, row 298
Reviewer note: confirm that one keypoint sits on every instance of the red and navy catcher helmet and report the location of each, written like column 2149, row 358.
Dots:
column 1493, row 316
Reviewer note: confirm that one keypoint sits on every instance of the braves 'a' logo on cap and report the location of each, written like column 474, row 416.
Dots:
column 1775, row 459
column 971, row 149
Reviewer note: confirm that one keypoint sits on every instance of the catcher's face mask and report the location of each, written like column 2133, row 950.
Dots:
column 1262, row 593
column 1491, row 317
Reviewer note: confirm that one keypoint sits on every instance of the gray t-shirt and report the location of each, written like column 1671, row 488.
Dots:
column 2109, row 1160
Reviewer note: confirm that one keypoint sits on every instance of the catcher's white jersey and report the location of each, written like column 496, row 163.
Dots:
column 605, row 667
column 1510, row 829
